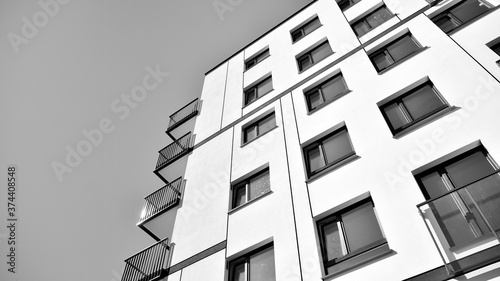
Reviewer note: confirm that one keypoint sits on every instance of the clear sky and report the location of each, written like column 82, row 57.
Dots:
column 68, row 69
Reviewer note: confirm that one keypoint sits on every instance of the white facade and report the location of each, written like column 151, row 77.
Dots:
column 208, row 235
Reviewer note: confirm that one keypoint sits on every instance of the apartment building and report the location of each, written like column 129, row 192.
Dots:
column 356, row 140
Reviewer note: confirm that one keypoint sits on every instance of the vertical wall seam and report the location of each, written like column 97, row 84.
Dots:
column 291, row 191
column 230, row 193
column 224, row 97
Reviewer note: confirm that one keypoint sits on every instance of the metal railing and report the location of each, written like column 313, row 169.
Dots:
column 183, row 114
column 162, row 199
column 171, row 151
column 148, row 264
column 472, row 208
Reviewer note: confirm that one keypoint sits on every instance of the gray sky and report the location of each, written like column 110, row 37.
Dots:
column 70, row 67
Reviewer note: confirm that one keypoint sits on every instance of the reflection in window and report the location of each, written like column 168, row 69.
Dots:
column 372, row 20
column 251, row 188
column 460, row 14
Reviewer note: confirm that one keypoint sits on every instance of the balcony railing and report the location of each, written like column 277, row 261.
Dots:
column 174, row 150
column 183, row 114
column 162, row 199
column 148, row 264
column 465, row 217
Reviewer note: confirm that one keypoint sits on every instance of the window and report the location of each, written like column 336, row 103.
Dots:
column 326, row 92
column 347, row 234
column 460, row 14
column 256, row 266
column 372, row 20
column 305, row 29
column 412, row 107
column 251, row 188
column 314, row 55
column 394, row 52
column 328, row 151
column 256, row 59
column 457, row 187
column 258, row 128
column 496, row 48
column 257, row 91
column 344, row 4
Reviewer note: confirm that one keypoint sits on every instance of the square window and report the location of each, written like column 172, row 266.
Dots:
column 255, row 266
column 345, row 4
column 258, row 128
column 313, row 56
column 256, row 59
column 348, row 234
column 412, row 107
column 328, row 151
column 394, row 52
column 305, row 29
column 460, row 14
column 372, row 20
column 463, row 193
column 254, row 93
column 251, row 188
column 325, row 92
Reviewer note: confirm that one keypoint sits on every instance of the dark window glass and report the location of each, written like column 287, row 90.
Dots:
column 496, row 48
column 258, row 128
column 344, row 4
column 460, row 14
column 416, row 105
column 257, row 91
column 325, row 92
column 328, row 151
column 256, row 59
column 348, row 233
column 394, row 52
column 305, row 29
column 256, row 266
column 314, row 56
column 372, row 20
column 251, row 188
column 456, row 213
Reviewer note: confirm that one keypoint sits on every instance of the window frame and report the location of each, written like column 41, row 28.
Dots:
column 300, row 29
column 364, row 17
column 393, row 62
column 245, row 259
column 375, row 249
column 257, row 58
column 318, row 88
column 398, row 99
column 446, row 13
column 318, row 142
column 245, row 182
column 253, row 89
column 351, row 3
column 307, row 54
column 255, row 124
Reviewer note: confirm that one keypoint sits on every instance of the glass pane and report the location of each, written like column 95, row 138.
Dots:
column 250, row 64
column 250, row 134
column 264, row 87
column 361, row 227
column 305, row 62
column 337, row 147
column 422, row 102
column 469, row 169
column 259, row 185
column 315, row 99
column 251, row 95
column 468, row 10
column 267, row 124
column 333, row 87
column 262, row 266
column 238, row 273
column 381, row 61
column 262, row 56
column 296, row 35
column 378, row 17
column 333, row 243
column 395, row 116
column 496, row 48
column 315, row 158
column 343, row 4
column 239, row 196
column 402, row 48
column 445, row 23
column 321, row 52
column 360, row 28
column 486, row 193
column 310, row 27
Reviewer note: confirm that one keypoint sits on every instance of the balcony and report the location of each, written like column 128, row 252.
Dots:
column 464, row 225
column 184, row 117
column 149, row 264
column 161, row 200
column 174, row 151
